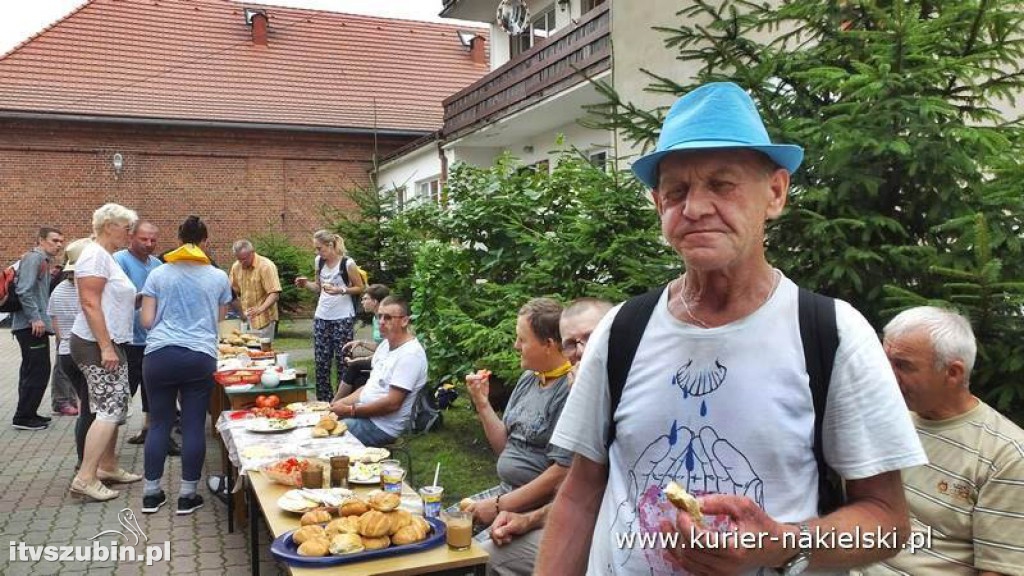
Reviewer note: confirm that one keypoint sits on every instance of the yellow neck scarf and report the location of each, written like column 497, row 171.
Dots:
column 555, row 374
column 187, row 253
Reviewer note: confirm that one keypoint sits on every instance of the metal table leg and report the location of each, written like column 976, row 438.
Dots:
column 229, row 479
column 254, row 530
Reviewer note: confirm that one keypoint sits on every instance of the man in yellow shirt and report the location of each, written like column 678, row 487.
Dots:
column 970, row 496
column 254, row 280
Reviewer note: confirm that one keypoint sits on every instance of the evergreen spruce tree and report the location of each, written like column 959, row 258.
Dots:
column 911, row 188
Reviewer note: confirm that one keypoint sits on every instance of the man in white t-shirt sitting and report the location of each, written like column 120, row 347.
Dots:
column 717, row 397
column 379, row 412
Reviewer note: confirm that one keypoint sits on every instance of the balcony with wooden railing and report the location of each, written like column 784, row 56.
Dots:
column 560, row 62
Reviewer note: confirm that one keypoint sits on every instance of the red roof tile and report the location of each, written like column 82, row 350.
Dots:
column 195, row 60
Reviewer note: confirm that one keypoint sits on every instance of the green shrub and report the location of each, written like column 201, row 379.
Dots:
column 291, row 261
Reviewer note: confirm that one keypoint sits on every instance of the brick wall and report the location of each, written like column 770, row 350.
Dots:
column 241, row 182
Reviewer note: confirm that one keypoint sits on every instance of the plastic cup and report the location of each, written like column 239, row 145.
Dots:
column 391, row 476
column 282, row 359
column 266, row 344
column 313, row 478
column 459, row 534
column 431, row 496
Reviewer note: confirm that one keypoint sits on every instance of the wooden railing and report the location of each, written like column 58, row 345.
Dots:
column 556, row 64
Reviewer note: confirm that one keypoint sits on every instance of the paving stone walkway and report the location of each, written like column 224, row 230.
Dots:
column 36, row 468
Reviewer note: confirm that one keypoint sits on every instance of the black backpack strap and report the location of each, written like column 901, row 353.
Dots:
column 343, row 268
column 623, row 340
column 820, row 338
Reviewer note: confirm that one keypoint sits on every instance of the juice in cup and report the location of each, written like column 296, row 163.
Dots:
column 431, row 496
column 391, row 476
column 459, row 535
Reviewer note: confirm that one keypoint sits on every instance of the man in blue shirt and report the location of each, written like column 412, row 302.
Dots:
column 138, row 261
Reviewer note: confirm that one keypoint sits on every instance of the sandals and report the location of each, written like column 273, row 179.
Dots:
column 96, row 490
column 119, row 476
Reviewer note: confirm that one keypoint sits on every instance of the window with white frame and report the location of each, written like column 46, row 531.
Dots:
column 599, row 158
column 541, row 27
column 589, row 5
column 429, row 190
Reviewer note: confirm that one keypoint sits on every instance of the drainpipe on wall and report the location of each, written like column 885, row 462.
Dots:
column 444, row 170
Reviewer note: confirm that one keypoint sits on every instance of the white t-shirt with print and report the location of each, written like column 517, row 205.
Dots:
column 333, row 306
column 118, row 300
column 729, row 410
column 404, row 367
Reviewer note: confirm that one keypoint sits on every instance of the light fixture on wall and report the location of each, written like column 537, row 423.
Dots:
column 118, row 162
column 563, row 5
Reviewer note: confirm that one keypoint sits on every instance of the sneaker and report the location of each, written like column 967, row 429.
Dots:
column 46, row 419
column 173, row 449
column 153, row 502
column 189, row 504
column 68, row 410
column 28, row 424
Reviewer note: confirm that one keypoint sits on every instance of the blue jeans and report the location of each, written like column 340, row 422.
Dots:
column 170, row 375
column 367, row 432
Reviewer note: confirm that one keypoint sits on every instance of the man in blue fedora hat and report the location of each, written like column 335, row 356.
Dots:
column 711, row 383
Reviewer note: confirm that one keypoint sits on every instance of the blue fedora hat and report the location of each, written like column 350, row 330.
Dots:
column 715, row 116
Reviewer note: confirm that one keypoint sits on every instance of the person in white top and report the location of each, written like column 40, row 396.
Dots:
column 379, row 412
column 717, row 397
column 98, row 337
column 335, row 316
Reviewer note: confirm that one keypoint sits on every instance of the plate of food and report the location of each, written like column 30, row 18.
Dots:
column 363, row 473
column 289, row 470
column 305, row 407
column 333, row 544
column 370, row 455
column 269, row 425
column 303, row 500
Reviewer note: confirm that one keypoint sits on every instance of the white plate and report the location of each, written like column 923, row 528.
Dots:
column 360, row 473
column 239, row 387
column 370, row 455
column 295, row 501
column 264, row 426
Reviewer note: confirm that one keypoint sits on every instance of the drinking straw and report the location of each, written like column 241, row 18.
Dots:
column 437, row 471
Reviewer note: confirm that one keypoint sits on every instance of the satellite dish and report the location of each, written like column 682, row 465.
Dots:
column 513, row 16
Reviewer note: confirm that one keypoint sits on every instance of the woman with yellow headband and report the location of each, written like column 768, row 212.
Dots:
column 529, row 468
column 182, row 302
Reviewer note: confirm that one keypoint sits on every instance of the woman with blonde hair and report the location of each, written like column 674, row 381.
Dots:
column 338, row 284
column 98, row 336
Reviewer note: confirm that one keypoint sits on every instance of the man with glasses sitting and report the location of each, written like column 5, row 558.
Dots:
column 378, row 412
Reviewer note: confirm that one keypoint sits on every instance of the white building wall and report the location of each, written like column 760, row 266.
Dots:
column 537, row 147
column 406, row 171
column 635, row 45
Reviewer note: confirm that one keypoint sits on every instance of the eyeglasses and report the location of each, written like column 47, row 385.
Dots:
column 569, row 346
column 390, row 317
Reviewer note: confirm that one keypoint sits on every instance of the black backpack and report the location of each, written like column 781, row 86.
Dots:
column 820, row 339
column 425, row 416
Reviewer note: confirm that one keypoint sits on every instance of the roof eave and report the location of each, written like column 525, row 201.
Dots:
column 192, row 123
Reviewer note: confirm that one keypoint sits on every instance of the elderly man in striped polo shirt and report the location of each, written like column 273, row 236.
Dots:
column 970, row 495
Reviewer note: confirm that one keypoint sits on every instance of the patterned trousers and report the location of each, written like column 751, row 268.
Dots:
column 328, row 338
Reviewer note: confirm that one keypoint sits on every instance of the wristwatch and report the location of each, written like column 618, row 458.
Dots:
column 799, row 563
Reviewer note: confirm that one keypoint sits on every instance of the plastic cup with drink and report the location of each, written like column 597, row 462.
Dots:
column 459, row 524
column 391, row 476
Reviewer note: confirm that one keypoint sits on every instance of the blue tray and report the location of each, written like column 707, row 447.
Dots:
column 284, row 549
